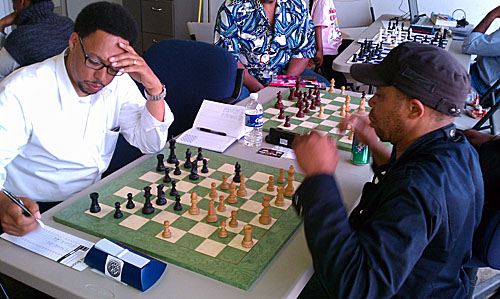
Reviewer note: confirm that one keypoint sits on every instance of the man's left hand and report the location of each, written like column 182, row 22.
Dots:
column 133, row 64
column 316, row 154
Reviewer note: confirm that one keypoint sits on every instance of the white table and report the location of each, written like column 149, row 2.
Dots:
column 285, row 276
column 340, row 63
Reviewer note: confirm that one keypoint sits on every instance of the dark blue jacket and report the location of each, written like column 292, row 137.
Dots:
column 411, row 232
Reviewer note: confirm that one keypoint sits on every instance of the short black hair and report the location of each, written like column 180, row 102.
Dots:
column 37, row 1
column 108, row 17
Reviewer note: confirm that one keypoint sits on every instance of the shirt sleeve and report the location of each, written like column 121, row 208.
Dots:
column 374, row 260
column 15, row 129
column 481, row 44
column 137, row 125
column 226, row 32
column 306, row 39
column 7, row 63
column 318, row 14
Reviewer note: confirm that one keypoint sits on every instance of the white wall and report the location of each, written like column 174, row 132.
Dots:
column 75, row 6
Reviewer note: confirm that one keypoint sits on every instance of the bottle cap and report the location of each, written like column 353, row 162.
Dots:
column 254, row 96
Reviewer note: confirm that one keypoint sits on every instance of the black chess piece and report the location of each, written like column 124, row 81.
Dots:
column 160, row 166
column 173, row 191
column 172, row 158
column 354, row 57
column 118, row 212
column 167, row 178
column 287, row 121
column 282, row 114
column 148, row 207
column 177, row 170
column 160, row 200
column 204, row 169
column 306, row 107
column 188, row 164
column 130, row 202
column 94, row 205
column 194, row 171
column 200, row 154
column 237, row 171
column 177, row 205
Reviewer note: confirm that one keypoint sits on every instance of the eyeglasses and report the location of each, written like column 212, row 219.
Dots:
column 97, row 65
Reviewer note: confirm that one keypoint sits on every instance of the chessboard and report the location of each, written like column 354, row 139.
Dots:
column 327, row 123
column 376, row 49
column 194, row 243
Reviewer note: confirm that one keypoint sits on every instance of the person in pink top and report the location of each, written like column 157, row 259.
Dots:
column 328, row 39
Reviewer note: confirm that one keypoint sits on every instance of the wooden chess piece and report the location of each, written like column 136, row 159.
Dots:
column 242, row 190
column 287, row 121
column 291, row 172
column 306, row 107
column 247, row 238
column 342, row 90
column 166, row 229
column 212, row 215
column 222, row 230
column 332, row 85
column 233, row 222
column 194, row 210
column 221, row 207
column 342, row 112
column 282, row 114
column 279, row 103
column 224, row 185
column 321, row 111
column 270, row 183
column 351, row 135
column 232, row 193
column 361, row 108
column 300, row 113
column 265, row 217
column 289, row 187
column 347, row 103
column 281, row 178
column 213, row 191
column 291, row 96
column 280, row 199
column 312, row 106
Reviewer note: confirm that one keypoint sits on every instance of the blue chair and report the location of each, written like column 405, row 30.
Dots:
column 191, row 71
column 486, row 243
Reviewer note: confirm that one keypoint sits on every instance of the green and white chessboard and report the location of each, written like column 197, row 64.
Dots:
column 328, row 123
column 195, row 243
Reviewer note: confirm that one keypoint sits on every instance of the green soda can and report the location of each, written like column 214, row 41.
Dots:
column 360, row 154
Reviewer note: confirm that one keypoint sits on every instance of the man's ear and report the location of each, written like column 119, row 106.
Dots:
column 73, row 41
column 415, row 109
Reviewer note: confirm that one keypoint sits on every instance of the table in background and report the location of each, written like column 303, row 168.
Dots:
column 285, row 276
column 340, row 63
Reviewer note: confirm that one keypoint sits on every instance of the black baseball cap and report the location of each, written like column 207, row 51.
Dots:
column 425, row 72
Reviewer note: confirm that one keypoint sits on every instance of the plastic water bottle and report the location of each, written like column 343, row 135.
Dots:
column 253, row 121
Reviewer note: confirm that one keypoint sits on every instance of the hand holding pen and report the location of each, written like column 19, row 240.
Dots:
column 18, row 216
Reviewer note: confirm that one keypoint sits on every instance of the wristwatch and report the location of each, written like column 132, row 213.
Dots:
column 157, row 97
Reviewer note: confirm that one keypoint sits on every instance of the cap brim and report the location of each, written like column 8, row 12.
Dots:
column 367, row 73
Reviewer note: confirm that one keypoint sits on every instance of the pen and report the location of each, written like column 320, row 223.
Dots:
column 20, row 203
column 211, row 131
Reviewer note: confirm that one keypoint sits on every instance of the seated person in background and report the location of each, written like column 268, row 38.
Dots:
column 40, row 34
column 267, row 37
column 486, row 70
column 412, row 230
column 61, row 118
column 328, row 39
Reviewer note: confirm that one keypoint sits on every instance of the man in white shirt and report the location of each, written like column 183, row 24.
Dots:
column 61, row 117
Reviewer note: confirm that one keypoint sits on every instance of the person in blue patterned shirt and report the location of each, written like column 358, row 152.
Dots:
column 267, row 37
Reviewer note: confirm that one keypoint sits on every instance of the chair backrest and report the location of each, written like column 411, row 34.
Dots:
column 353, row 13
column 202, row 32
column 192, row 71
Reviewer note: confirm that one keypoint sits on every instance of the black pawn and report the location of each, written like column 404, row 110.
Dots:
column 177, row 170
column 237, row 171
column 130, row 202
column 282, row 114
column 200, row 154
column 194, row 171
column 160, row 166
column 148, row 207
column 171, row 157
column 177, row 206
column 94, row 205
column 188, row 164
column 118, row 212
column 160, row 200
column 204, row 169
column 173, row 191
column 167, row 178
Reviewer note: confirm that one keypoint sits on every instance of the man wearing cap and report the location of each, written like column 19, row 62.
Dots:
column 412, row 230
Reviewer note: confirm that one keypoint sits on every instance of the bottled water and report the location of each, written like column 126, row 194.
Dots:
column 253, row 121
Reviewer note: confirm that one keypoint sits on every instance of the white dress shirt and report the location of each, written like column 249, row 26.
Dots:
column 54, row 143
